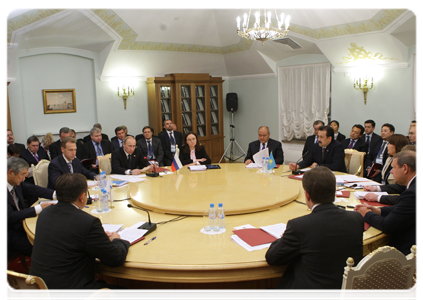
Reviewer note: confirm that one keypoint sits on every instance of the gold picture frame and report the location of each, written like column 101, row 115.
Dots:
column 59, row 101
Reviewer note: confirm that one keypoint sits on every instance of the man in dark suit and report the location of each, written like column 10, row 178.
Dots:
column 68, row 240
column 373, row 141
column 66, row 163
column 128, row 159
column 264, row 141
column 121, row 133
column 55, row 148
column 96, row 147
column 381, row 153
column 17, row 192
column 399, row 220
column 170, row 139
column 151, row 146
column 327, row 152
column 355, row 142
column 317, row 245
column 11, row 140
column 312, row 139
column 104, row 136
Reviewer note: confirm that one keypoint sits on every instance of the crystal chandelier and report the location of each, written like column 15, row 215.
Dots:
column 265, row 32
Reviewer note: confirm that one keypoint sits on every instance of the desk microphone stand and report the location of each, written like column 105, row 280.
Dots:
column 232, row 144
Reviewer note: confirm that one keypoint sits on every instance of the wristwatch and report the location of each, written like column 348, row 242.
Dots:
column 130, row 172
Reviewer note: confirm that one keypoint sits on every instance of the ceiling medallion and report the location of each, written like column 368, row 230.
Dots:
column 263, row 32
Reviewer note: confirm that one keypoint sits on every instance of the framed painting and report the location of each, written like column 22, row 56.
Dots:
column 59, row 101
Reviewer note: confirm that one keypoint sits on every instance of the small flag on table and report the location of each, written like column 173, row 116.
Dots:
column 176, row 164
column 271, row 163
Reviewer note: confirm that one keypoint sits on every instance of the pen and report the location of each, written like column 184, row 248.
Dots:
column 150, row 241
column 87, row 206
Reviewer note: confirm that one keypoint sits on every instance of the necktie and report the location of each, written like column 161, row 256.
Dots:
column 351, row 145
column 368, row 143
column 36, row 157
column 316, row 139
column 323, row 154
column 150, row 149
column 129, row 161
column 172, row 140
column 99, row 152
column 70, row 167
column 120, row 143
column 262, row 147
column 15, row 199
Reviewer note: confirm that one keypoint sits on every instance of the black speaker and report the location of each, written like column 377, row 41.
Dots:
column 231, row 102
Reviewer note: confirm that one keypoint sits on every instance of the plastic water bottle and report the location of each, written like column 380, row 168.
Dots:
column 212, row 218
column 263, row 165
column 267, row 165
column 221, row 216
column 103, row 180
column 104, row 200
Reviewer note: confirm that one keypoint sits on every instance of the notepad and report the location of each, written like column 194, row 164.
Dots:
column 197, row 168
column 132, row 235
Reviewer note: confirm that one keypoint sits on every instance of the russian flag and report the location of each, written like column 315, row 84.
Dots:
column 176, row 164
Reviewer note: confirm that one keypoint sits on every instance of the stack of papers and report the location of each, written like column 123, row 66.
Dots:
column 118, row 183
column 129, row 178
column 360, row 195
column 251, row 238
column 197, row 168
column 131, row 234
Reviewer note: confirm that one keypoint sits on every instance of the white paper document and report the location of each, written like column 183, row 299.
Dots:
column 360, row 185
column 129, row 178
column 112, row 227
column 360, row 195
column 275, row 230
column 253, row 166
column 258, row 157
column 197, row 168
column 132, row 234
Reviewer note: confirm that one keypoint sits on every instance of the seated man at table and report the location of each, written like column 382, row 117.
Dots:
column 32, row 155
column 326, row 152
column 313, row 139
column 96, row 146
column 128, row 159
column 17, row 211
column 398, row 220
column 151, row 146
column 264, row 141
column 317, row 245
column 66, row 163
column 64, row 254
column 355, row 142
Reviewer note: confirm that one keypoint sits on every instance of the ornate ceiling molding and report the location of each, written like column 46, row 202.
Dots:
column 109, row 17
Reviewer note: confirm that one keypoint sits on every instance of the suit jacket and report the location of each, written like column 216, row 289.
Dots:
column 157, row 148
column 64, row 255
column 30, row 159
column 399, row 221
column 164, row 137
column 340, row 137
column 87, row 138
column 22, row 146
column 308, row 144
column 139, row 136
column 316, row 246
column 391, row 189
column 55, row 149
column 185, row 158
column 334, row 157
column 58, row 166
column 88, row 150
column 15, row 230
column 115, row 143
column 359, row 145
column 274, row 146
column 372, row 151
column 120, row 161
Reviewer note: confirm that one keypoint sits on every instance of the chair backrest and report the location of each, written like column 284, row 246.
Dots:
column 105, row 163
column 23, row 281
column 384, row 268
column 40, row 173
column 354, row 162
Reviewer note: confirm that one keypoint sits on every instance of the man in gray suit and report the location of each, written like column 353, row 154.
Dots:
column 151, row 146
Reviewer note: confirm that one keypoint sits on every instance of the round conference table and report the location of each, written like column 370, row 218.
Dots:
column 181, row 254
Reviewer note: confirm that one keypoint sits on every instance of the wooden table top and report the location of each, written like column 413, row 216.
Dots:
column 181, row 253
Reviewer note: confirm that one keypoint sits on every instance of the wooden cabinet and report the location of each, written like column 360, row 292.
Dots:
column 194, row 102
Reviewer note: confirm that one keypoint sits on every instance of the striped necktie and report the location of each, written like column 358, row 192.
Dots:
column 15, row 198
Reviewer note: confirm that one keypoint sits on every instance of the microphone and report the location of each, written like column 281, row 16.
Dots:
column 150, row 227
column 154, row 173
column 299, row 172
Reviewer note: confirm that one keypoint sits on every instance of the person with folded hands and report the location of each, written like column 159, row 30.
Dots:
column 192, row 152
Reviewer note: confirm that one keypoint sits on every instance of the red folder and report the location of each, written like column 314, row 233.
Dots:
column 295, row 177
column 366, row 226
column 254, row 236
column 345, row 194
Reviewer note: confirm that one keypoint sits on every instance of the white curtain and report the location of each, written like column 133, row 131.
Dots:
column 416, row 85
column 304, row 96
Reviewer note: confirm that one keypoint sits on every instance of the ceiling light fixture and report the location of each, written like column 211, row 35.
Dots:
column 263, row 32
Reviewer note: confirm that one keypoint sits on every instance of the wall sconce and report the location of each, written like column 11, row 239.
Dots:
column 363, row 87
column 125, row 92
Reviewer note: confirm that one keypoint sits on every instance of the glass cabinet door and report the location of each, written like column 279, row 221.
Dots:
column 200, row 114
column 166, row 103
column 186, row 108
column 214, row 109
